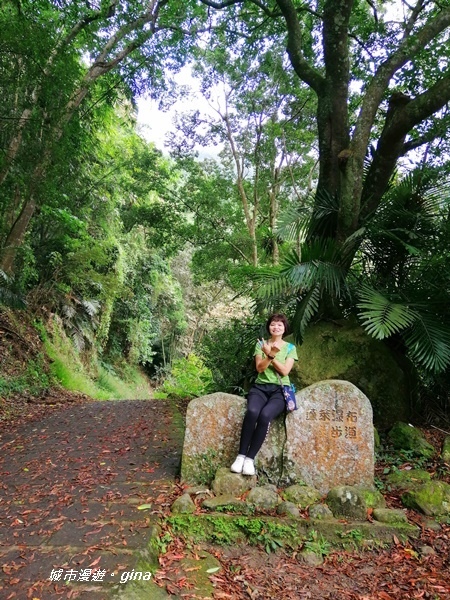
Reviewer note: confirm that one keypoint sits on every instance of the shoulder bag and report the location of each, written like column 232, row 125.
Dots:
column 289, row 395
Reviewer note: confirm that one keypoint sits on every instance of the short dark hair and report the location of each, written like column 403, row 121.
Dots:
column 278, row 317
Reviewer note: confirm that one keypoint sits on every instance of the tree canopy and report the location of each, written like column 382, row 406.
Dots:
column 326, row 106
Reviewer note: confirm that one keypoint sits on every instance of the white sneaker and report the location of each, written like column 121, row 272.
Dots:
column 248, row 467
column 236, row 467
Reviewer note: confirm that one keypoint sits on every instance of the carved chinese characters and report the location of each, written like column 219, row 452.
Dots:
column 330, row 438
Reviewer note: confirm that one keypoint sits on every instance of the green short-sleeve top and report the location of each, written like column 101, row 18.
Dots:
column 270, row 374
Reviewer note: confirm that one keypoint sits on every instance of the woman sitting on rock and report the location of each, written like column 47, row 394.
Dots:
column 265, row 400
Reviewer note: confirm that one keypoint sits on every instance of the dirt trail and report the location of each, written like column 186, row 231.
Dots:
column 71, row 484
column 73, row 479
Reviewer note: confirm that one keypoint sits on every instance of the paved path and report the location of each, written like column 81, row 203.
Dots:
column 70, row 488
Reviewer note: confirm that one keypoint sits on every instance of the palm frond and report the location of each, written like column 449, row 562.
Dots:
column 80, row 319
column 392, row 235
column 293, row 222
column 10, row 299
column 324, row 218
column 68, row 312
column 381, row 317
column 78, row 339
column 319, row 264
column 306, row 309
column 271, row 284
column 91, row 307
column 428, row 342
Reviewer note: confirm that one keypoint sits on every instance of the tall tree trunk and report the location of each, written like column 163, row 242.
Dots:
column 250, row 212
column 332, row 109
column 16, row 235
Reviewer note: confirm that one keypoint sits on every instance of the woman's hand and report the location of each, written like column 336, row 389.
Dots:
column 266, row 347
column 276, row 347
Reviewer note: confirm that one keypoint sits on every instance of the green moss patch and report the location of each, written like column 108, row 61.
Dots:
column 271, row 533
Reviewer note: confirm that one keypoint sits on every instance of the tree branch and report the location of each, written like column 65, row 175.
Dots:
column 226, row 3
column 406, row 50
column 430, row 136
column 403, row 115
column 294, row 47
column 415, row 12
column 423, row 106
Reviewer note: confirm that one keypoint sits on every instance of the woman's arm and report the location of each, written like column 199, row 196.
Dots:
column 262, row 363
column 283, row 368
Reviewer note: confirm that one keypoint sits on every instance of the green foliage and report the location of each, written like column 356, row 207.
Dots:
column 108, row 211
column 393, row 272
column 355, row 535
column 188, row 378
column 268, row 534
column 33, row 380
column 80, row 320
column 95, row 261
column 95, row 380
column 207, row 467
column 162, row 542
column 318, row 544
column 227, row 352
column 7, row 296
column 380, row 317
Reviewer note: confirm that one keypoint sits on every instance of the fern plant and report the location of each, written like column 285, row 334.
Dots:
column 80, row 319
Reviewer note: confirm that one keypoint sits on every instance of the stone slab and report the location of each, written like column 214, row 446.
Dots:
column 213, row 429
column 330, row 438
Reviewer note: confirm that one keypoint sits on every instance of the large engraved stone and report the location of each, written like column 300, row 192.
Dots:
column 211, row 440
column 328, row 442
column 269, row 460
column 330, row 438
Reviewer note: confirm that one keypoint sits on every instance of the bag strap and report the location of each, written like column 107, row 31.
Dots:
column 279, row 379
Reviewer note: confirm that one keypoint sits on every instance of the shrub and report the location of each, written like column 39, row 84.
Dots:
column 189, row 378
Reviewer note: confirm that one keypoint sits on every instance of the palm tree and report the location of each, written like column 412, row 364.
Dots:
column 393, row 273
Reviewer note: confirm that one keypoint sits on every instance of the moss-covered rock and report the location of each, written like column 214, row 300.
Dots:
column 263, row 498
column 406, row 437
column 211, row 438
column 286, row 508
column 389, row 515
column 301, row 495
column 432, row 498
column 226, row 482
column 407, row 479
column 198, row 569
column 320, row 511
column 344, row 351
column 225, row 503
column 183, row 505
column 372, row 498
column 376, row 440
column 292, row 533
column 353, row 501
column 347, row 501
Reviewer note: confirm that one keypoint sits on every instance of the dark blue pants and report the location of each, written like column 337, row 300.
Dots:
column 264, row 403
